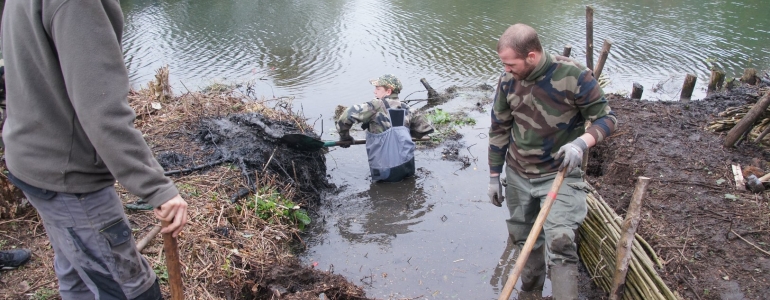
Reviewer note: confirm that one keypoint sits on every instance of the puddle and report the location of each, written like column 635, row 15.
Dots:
column 434, row 236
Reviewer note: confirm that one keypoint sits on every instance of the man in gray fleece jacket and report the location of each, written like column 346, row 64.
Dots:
column 69, row 135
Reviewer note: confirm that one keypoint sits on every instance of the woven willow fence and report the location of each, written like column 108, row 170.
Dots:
column 599, row 235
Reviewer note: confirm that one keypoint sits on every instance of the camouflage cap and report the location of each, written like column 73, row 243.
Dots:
column 389, row 81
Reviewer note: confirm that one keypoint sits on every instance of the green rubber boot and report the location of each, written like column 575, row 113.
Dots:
column 564, row 277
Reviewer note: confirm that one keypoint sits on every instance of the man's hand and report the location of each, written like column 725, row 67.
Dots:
column 495, row 191
column 175, row 212
column 346, row 139
column 572, row 153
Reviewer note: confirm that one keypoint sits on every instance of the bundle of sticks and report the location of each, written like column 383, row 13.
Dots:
column 599, row 236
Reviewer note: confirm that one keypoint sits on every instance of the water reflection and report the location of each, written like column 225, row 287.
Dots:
column 390, row 210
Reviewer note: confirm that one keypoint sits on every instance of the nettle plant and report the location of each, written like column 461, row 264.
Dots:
column 269, row 205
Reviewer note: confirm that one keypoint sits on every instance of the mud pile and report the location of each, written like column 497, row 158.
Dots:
column 252, row 142
column 707, row 232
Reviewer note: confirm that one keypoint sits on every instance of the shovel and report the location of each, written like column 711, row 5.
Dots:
column 308, row 143
column 533, row 234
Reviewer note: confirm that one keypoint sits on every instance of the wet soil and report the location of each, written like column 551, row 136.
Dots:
column 693, row 215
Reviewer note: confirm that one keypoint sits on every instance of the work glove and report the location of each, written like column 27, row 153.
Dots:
column 346, row 139
column 495, row 191
column 572, row 153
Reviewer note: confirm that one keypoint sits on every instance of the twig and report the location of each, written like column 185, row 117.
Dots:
column 196, row 168
column 268, row 160
column 692, row 183
column 755, row 246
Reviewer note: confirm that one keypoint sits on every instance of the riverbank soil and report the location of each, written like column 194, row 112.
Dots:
column 248, row 196
column 713, row 238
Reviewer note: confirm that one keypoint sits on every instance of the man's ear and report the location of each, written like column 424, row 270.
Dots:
column 388, row 91
column 531, row 57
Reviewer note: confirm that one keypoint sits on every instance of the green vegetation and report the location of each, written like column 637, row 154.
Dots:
column 440, row 117
column 162, row 272
column 446, row 123
column 45, row 294
column 271, row 206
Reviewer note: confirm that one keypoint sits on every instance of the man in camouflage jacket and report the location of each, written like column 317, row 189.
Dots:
column 538, row 119
column 375, row 117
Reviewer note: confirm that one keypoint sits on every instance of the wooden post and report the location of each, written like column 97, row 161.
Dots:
column 602, row 58
column 584, row 163
column 716, row 81
column 432, row 94
column 688, row 87
column 636, row 92
column 589, row 37
column 624, row 248
column 747, row 121
column 749, row 76
column 567, row 51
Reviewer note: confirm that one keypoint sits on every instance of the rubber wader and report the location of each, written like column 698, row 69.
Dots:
column 564, row 281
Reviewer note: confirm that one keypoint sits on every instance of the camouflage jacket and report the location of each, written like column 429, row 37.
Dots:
column 534, row 117
column 375, row 115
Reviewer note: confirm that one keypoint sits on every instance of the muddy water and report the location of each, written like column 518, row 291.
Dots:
column 435, row 235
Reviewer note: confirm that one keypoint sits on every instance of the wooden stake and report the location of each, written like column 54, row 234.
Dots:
column 625, row 244
column 589, row 37
column 584, row 162
column 740, row 183
column 172, row 264
column 432, row 94
column 567, row 51
column 747, row 121
column 688, row 87
column 716, row 81
column 602, row 58
column 749, row 76
column 636, row 92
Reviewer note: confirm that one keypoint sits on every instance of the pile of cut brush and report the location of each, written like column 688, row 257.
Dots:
column 247, row 194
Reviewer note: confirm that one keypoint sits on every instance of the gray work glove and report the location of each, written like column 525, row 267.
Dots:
column 572, row 153
column 346, row 138
column 495, row 191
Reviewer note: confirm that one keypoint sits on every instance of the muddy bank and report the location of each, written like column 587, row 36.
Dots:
column 248, row 194
column 693, row 210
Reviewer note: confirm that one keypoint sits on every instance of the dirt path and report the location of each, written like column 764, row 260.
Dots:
column 692, row 210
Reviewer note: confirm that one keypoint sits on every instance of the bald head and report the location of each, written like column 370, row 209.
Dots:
column 521, row 38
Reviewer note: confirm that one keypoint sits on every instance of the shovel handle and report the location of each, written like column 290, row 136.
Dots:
column 172, row 264
column 532, row 238
column 361, row 142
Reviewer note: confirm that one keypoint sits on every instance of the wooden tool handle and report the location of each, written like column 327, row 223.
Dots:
column 532, row 238
column 173, row 265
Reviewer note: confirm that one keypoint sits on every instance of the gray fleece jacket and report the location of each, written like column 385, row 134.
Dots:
column 69, row 126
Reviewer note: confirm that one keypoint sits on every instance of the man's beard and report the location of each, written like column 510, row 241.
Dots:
column 519, row 76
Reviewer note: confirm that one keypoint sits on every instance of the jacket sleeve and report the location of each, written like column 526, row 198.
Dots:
column 594, row 107
column 360, row 113
column 96, row 79
column 500, row 131
column 419, row 126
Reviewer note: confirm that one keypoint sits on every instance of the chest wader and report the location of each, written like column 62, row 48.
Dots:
column 391, row 153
